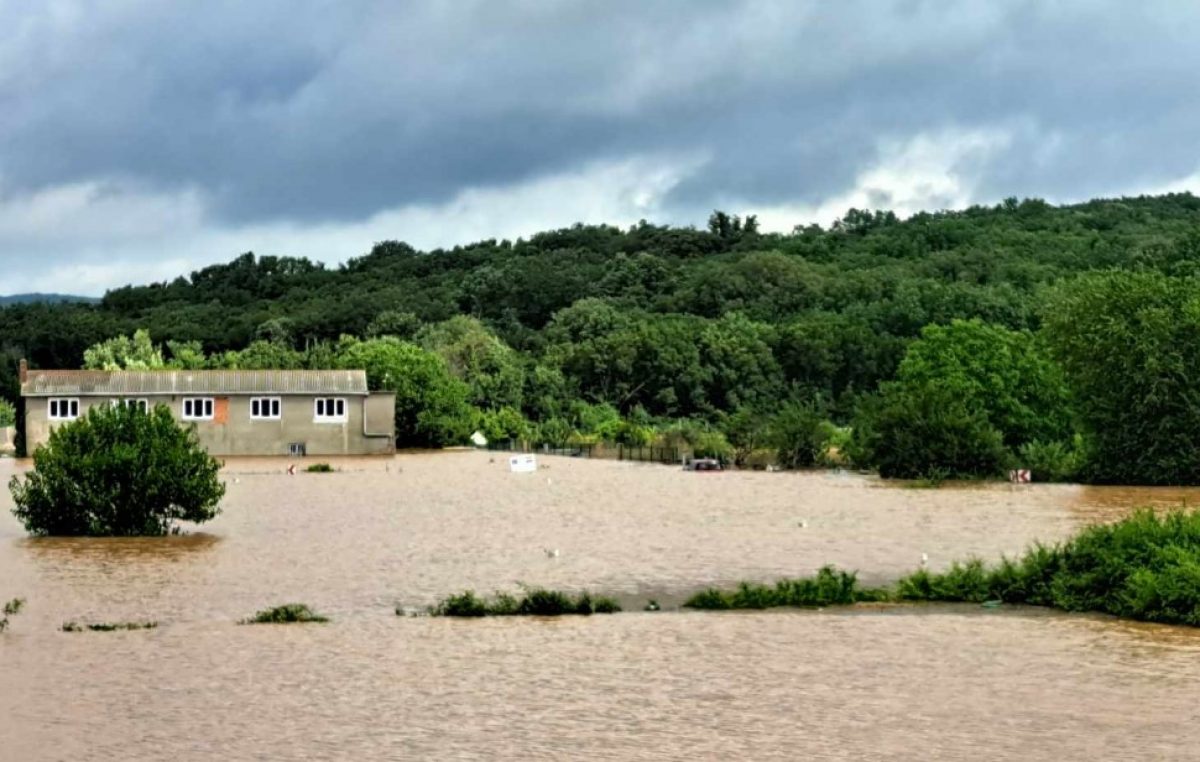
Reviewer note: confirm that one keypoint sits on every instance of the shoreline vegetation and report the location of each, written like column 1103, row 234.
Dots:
column 108, row 626
column 533, row 602
column 288, row 613
column 1144, row 567
column 12, row 608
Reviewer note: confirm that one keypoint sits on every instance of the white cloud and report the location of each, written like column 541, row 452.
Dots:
column 930, row 171
column 89, row 237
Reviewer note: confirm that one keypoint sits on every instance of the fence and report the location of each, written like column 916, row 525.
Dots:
column 608, row 450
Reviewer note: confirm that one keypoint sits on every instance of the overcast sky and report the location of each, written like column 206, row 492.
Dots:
column 140, row 140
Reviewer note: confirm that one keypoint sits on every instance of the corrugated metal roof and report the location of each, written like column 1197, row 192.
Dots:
column 56, row 383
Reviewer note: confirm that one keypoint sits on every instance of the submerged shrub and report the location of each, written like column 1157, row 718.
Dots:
column 540, row 602
column 108, row 626
column 711, row 599
column 464, row 604
column 535, row 602
column 288, row 613
column 1051, row 461
column 1146, row 567
column 967, row 581
column 830, row 587
column 118, row 471
column 11, row 608
column 319, row 468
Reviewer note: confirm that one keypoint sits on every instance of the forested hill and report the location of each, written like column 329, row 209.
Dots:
column 665, row 322
column 36, row 297
column 834, row 305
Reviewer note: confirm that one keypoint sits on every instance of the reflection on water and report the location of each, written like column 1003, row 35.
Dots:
column 125, row 550
column 926, row 681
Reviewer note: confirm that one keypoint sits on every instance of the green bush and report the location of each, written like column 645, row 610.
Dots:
column 320, row 468
column 534, row 602
column 799, row 435
column 965, row 398
column 464, row 604
column 830, row 587
column 909, row 436
column 12, row 608
column 759, row 459
column 601, row 420
column 504, row 424
column 118, row 471
column 1051, row 461
column 432, row 407
column 1144, row 567
column 712, row 444
column 555, row 431
column 1128, row 343
column 288, row 613
column 8, row 414
column 108, row 626
column 696, row 436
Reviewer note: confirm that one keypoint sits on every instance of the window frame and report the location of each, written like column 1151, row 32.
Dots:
column 54, row 403
column 320, row 414
column 140, row 402
column 274, row 407
column 208, row 408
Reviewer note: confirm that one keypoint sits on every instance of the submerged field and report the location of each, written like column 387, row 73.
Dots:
column 378, row 535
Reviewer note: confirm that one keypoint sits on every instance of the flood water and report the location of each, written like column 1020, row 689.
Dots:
column 926, row 682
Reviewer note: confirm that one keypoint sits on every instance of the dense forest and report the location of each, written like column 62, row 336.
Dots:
column 958, row 343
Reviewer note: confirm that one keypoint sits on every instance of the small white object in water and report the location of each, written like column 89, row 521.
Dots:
column 803, row 524
column 549, row 480
column 924, row 559
column 550, row 552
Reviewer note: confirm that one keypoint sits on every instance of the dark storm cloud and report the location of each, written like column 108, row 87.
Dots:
column 320, row 111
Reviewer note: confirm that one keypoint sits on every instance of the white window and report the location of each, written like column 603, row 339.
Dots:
column 329, row 410
column 63, row 409
column 140, row 404
column 197, row 408
column 264, row 409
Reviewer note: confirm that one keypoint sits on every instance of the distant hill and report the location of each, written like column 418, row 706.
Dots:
column 28, row 298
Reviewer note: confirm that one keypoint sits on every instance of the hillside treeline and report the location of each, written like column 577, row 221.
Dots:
column 956, row 343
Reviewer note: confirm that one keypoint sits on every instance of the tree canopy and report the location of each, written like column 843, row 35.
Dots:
column 1130, row 344
column 118, row 471
column 725, row 326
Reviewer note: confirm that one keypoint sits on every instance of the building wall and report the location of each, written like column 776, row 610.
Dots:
column 232, row 432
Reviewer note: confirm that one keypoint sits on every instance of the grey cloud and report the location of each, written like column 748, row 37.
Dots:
column 321, row 111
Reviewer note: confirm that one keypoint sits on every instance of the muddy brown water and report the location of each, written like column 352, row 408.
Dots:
column 929, row 682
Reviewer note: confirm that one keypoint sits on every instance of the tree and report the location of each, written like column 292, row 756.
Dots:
column 738, row 363
column 186, row 355
column 1006, row 375
column 8, row 414
column 1130, row 346
column 799, row 435
column 929, row 433
column 966, row 397
column 475, row 355
column 118, row 471
column 125, row 353
column 431, row 404
column 262, row 355
column 402, row 325
column 505, row 424
column 276, row 330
